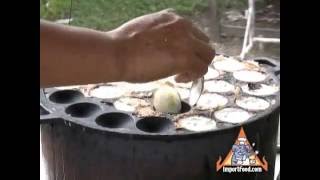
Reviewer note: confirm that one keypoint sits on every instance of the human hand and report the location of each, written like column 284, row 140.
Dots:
column 162, row 44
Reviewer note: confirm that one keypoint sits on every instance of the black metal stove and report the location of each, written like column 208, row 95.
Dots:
column 88, row 138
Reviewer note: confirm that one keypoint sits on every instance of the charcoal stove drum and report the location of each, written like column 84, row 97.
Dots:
column 85, row 137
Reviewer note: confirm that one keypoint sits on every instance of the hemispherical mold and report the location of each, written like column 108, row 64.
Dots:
column 197, row 123
column 211, row 74
column 265, row 62
column 67, row 87
column 185, row 107
column 232, row 115
column 211, row 101
column 144, row 87
column 114, row 120
column 82, row 110
column 155, row 124
column 171, row 80
column 107, row 92
column 129, row 104
column 65, row 96
column 260, row 89
column 249, row 76
column 252, row 103
column 218, row 86
column 228, row 64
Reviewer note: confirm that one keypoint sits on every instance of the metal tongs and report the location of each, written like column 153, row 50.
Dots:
column 196, row 91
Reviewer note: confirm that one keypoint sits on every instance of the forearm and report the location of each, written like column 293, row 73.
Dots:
column 72, row 55
column 144, row 49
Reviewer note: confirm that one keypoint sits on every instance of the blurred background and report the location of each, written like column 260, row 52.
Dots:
column 224, row 21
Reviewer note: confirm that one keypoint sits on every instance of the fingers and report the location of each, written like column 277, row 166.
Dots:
column 199, row 34
column 201, row 45
column 189, row 25
column 190, row 76
column 198, row 63
column 195, row 70
column 195, row 47
column 196, row 32
column 169, row 10
column 183, row 78
column 204, row 51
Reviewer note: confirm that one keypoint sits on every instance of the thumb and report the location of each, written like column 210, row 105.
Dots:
column 188, row 76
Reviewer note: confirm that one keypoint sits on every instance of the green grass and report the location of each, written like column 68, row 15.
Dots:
column 108, row 14
column 228, row 4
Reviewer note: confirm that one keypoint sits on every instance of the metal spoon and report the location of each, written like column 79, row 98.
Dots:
column 196, row 91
